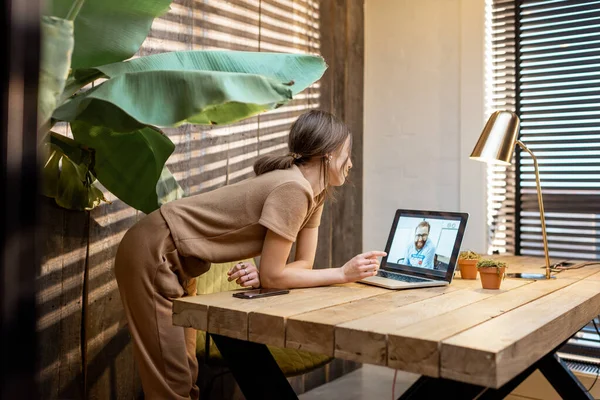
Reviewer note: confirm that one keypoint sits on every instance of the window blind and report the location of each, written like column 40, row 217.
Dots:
column 209, row 157
column 544, row 64
column 501, row 95
column 559, row 107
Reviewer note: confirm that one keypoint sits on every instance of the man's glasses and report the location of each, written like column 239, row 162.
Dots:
column 422, row 235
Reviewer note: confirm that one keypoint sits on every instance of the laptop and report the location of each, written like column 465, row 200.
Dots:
column 422, row 250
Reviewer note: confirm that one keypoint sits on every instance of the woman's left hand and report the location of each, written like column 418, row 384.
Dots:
column 244, row 274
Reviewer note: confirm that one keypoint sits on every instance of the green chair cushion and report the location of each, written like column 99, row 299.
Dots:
column 292, row 362
column 215, row 279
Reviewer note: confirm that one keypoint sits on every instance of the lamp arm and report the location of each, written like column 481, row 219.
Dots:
column 541, row 205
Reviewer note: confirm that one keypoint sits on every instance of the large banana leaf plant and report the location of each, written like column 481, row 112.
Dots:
column 116, row 124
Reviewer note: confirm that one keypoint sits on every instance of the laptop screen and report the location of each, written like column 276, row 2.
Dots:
column 425, row 243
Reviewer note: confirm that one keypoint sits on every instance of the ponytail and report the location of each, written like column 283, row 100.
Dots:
column 270, row 163
column 313, row 136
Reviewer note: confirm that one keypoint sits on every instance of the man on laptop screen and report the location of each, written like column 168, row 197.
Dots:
column 422, row 250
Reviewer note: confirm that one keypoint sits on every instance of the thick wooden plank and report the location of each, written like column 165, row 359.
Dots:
column 193, row 312
column 60, row 302
column 109, row 351
column 415, row 348
column 365, row 339
column 314, row 331
column 323, row 258
column 261, row 320
column 324, row 244
column 267, row 325
column 352, row 228
column 492, row 353
column 341, row 226
column 348, row 78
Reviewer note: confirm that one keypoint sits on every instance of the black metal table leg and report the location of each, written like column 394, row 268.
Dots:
column 499, row 394
column 254, row 369
column 554, row 369
column 440, row 388
column 562, row 379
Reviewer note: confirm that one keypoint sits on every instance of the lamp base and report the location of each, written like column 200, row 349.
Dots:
column 528, row 275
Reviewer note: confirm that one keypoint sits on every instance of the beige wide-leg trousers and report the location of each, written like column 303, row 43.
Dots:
column 151, row 274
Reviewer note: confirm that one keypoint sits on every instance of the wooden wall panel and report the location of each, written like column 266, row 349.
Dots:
column 60, row 301
column 326, row 47
column 109, row 351
column 348, row 62
column 342, row 47
column 109, row 364
column 87, row 350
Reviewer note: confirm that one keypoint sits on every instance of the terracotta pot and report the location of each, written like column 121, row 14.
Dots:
column 490, row 278
column 468, row 269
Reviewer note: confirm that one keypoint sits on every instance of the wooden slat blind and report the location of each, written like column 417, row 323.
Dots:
column 501, row 95
column 559, row 66
column 216, row 156
column 544, row 64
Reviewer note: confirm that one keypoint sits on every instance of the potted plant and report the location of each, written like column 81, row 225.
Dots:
column 491, row 272
column 116, row 126
column 467, row 262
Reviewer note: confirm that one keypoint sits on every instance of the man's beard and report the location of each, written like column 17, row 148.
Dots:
column 419, row 244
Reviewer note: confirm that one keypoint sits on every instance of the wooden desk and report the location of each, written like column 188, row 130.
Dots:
column 461, row 338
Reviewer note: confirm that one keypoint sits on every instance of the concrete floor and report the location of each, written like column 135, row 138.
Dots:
column 366, row 383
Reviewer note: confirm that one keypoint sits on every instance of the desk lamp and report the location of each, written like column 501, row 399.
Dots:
column 496, row 146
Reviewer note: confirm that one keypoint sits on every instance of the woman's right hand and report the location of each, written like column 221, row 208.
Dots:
column 244, row 274
column 362, row 266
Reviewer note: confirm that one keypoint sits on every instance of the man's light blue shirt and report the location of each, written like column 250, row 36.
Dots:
column 420, row 258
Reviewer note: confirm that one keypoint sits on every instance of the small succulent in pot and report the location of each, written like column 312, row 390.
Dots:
column 467, row 263
column 468, row 255
column 491, row 272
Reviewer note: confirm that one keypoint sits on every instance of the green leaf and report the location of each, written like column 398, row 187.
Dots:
column 57, row 47
column 71, row 185
column 168, row 98
column 109, row 30
column 301, row 69
column 72, row 192
column 71, row 148
column 128, row 164
column 95, row 197
column 51, row 173
column 73, row 85
column 167, row 188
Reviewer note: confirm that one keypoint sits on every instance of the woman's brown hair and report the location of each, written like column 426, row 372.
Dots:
column 314, row 134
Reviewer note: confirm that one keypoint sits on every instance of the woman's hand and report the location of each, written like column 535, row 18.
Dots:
column 244, row 274
column 362, row 266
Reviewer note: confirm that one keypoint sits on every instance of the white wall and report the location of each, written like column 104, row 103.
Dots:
column 424, row 106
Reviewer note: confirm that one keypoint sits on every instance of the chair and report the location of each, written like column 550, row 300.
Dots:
column 292, row 362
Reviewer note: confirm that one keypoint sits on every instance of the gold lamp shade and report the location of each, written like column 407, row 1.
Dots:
column 498, row 138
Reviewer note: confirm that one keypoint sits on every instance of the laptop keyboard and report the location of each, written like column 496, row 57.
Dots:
column 400, row 277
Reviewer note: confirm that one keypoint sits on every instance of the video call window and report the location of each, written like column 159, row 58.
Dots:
column 424, row 242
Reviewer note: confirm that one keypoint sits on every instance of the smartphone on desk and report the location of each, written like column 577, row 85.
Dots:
column 258, row 293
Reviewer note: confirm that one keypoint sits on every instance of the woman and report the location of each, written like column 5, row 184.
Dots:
column 159, row 258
